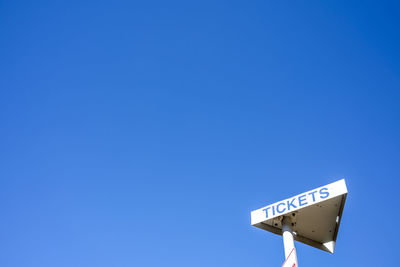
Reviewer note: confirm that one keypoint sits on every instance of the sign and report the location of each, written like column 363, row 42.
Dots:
column 316, row 215
column 295, row 203
column 291, row 260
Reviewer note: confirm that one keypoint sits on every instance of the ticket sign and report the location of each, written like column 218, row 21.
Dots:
column 316, row 215
column 291, row 261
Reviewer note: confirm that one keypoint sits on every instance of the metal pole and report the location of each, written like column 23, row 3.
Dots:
column 287, row 234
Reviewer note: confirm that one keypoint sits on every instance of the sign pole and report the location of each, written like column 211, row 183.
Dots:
column 287, row 234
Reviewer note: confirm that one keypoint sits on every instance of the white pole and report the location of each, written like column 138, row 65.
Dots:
column 287, row 234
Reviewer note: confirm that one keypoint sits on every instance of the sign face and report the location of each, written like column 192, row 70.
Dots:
column 291, row 261
column 315, row 214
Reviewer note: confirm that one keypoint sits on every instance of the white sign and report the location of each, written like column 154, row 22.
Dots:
column 295, row 203
column 291, row 261
column 315, row 215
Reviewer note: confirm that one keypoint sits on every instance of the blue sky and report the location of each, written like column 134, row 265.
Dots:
column 142, row 133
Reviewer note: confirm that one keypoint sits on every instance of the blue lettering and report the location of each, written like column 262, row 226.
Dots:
column 313, row 195
column 290, row 203
column 323, row 193
column 273, row 210
column 277, row 208
column 302, row 200
column 266, row 211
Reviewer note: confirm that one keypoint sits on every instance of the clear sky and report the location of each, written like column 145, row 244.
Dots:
column 142, row 133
